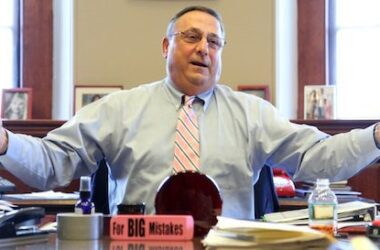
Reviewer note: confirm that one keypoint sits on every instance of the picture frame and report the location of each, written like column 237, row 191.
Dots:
column 85, row 94
column 319, row 102
column 260, row 90
column 16, row 104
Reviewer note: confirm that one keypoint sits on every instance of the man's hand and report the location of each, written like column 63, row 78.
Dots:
column 3, row 139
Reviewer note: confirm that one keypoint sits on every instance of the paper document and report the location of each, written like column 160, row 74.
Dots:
column 344, row 210
column 44, row 195
column 6, row 206
column 232, row 233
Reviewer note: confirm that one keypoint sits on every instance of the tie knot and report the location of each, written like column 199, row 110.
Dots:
column 188, row 100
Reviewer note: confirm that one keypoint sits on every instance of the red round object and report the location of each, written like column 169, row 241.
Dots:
column 190, row 193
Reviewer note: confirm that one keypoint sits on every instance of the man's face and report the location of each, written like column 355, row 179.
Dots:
column 194, row 67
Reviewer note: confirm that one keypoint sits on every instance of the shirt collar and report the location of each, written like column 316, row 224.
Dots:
column 176, row 95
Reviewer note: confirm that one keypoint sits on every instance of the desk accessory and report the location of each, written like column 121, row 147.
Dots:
column 84, row 204
column 151, row 227
column 20, row 227
column 283, row 183
column 190, row 193
column 12, row 222
column 74, row 226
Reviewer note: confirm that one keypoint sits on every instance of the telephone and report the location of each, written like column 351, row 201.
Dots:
column 283, row 184
column 20, row 222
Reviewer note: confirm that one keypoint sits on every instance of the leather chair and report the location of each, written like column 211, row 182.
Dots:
column 266, row 200
column 99, row 182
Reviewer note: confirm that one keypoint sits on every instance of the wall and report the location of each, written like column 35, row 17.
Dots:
column 119, row 41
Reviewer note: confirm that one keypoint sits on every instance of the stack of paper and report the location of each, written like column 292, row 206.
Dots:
column 232, row 234
column 52, row 195
column 6, row 206
column 354, row 210
column 342, row 191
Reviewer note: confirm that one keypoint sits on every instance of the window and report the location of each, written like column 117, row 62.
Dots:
column 355, row 57
column 9, row 43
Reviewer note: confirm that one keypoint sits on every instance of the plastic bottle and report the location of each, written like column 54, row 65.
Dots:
column 84, row 204
column 323, row 208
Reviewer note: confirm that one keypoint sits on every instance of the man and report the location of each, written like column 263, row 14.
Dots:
column 135, row 130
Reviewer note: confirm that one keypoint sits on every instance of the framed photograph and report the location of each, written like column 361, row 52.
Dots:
column 319, row 102
column 258, row 90
column 85, row 94
column 16, row 104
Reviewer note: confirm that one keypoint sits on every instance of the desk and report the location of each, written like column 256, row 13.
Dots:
column 106, row 243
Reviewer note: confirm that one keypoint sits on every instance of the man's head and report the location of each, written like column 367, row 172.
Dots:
column 193, row 49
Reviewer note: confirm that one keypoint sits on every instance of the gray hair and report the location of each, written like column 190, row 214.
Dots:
column 194, row 8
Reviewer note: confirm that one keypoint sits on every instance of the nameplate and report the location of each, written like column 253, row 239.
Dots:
column 151, row 227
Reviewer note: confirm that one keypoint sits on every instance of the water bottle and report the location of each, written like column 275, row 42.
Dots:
column 323, row 208
column 84, row 204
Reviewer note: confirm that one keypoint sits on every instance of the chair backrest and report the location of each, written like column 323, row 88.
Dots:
column 100, row 188
column 266, row 200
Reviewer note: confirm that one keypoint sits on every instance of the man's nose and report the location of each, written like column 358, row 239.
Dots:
column 202, row 46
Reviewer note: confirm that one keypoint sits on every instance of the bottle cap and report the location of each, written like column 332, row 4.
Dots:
column 85, row 183
column 323, row 181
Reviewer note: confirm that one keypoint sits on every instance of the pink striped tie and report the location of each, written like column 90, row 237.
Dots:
column 186, row 148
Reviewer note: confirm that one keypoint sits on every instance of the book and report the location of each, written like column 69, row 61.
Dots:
column 351, row 210
column 334, row 184
column 232, row 233
column 300, row 192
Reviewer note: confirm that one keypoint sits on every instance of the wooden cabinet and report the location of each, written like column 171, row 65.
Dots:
column 368, row 180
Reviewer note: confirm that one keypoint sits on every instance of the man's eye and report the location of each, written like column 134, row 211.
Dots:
column 192, row 36
column 214, row 41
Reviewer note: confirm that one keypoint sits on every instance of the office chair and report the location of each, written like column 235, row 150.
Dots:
column 266, row 200
column 99, row 185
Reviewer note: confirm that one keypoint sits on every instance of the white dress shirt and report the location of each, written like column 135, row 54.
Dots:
column 135, row 129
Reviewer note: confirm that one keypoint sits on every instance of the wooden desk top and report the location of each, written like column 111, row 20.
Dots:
column 106, row 243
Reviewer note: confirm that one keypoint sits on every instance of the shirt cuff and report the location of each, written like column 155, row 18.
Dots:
column 374, row 135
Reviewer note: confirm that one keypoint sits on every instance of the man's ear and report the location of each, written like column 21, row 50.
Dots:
column 165, row 47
